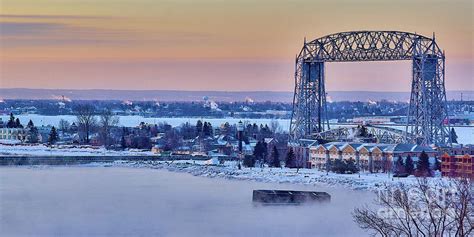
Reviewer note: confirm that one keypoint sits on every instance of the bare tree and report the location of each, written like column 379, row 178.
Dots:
column 172, row 139
column 300, row 162
column 64, row 125
column 427, row 208
column 86, row 121
column 275, row 126
column 107, row 121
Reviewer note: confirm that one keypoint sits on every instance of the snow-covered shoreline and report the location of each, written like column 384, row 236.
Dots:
column 366, row 181
column 65, row 150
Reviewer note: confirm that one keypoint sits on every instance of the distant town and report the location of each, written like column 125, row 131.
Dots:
column 386, row 112
column 89, row 126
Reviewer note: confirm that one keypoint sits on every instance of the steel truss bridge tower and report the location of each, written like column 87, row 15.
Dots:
column 428, row 110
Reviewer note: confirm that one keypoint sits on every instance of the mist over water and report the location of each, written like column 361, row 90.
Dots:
column 111, row 201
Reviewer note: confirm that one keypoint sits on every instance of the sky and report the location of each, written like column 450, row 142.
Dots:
column 215, row 45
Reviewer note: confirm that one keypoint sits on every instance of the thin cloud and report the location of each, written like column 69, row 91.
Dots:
column 28, row 28
column 53, row 16
column 17, row 34
column 20, row 34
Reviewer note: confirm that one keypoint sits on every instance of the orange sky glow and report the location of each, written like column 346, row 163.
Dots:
column 214, row 45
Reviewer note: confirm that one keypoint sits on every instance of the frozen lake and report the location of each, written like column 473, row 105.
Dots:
column 465, row 134
column 111, row 201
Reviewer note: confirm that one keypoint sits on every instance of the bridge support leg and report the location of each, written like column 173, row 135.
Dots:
column 309, row 102
column 428, row 112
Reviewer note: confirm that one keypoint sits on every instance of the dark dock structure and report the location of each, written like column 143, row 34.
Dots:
column 289, row 197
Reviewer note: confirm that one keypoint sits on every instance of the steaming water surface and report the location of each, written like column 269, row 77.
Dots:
column 111, row 201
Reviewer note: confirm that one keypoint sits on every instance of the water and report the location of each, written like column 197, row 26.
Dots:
column 465, row 134
column 101, row 201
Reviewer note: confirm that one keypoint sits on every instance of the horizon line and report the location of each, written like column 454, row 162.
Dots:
column 186, row 90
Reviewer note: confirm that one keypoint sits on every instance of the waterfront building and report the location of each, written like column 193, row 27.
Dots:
column 457, row 166
column 302, row 151
column 13, row 134
column 373, row 157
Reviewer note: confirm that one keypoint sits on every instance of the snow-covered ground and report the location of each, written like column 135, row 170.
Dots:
column 366, row 181
column 229, row 170
column 63, row 150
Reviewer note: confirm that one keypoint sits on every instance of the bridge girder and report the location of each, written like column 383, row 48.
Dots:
column 427, row 111
column 378, row 133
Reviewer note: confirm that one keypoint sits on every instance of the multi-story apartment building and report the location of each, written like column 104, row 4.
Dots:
column 373, row 157
column 457, row 165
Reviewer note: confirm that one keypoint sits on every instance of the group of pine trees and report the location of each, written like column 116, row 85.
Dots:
column 14, row 123
column 423, row 167
column 260, row 153
column 203, row 129
column 342, row 166
column 32, row 130
column 254, row 130
column 292, row 161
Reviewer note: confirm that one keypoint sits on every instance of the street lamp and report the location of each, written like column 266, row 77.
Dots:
column 240, row 134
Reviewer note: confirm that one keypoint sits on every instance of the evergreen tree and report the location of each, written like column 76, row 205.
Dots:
column 125, row 131
column 199, row 128
column 409, row 166
column 18, row 123
column 290, row 157
column 30, row 124
column 248, row 129
column 258, row 151
column 209, row 132
column 53, row 136
column 123, row 143
column 454, row 136
column 351, row 167
column 329, row 165
column 265, row 131
column 338, row 166
column 205, row 129
column 399, row 166
column 264, row 147
column 249, row 161
column 11, row 122
column 276, row 157
column 225, row 128
column 33, row 134
column 255, row 130
column 423, row 165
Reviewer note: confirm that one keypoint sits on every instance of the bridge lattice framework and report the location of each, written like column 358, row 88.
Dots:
column 427, row 113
